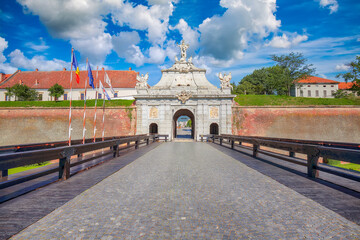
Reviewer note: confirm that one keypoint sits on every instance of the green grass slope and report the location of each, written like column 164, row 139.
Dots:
column 274, row 100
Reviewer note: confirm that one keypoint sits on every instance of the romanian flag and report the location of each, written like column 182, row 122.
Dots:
column 76, row 67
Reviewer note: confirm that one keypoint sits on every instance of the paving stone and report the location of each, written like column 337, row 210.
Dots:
column 190, row 191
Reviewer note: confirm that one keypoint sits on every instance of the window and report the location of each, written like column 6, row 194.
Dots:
column 317, row 93
column 301, row 93
column 99, row 95
column 7, row 98
column 325, row 93
column 116, row 94
column 309, row 93
column 332, row 92
column 308, row 85
column 40, row 97
column 82, row 96
column 324, row 85
column 65, row 96
column 332, row 85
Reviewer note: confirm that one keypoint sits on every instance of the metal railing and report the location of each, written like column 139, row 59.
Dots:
column 347, row 152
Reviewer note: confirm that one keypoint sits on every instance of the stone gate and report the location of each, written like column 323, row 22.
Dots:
column 184, row 90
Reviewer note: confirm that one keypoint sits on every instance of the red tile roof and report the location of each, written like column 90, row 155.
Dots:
column 44, row 80
column 312, row 79
column 345, row 86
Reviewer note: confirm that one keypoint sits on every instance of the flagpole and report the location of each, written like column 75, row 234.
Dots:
column 103, row 123
column 84, row 119
column 72, row 52
column 96, row 97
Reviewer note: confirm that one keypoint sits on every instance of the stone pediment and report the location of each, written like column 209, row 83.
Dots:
column 183, row 75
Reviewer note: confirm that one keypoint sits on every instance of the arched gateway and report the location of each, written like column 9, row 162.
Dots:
column 183, row 90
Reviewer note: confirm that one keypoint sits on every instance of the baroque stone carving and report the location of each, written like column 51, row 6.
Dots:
column 214, row 112
column 225, row 80
column 183, row 47
column 184, row 96
column 154, row 113
column 142, row 81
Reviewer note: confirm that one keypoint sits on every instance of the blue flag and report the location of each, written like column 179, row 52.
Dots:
column 91, row 79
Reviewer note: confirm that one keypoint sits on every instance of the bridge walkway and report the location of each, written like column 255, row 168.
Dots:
column 195, row 191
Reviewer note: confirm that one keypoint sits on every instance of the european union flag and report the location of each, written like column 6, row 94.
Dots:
column 91, row 79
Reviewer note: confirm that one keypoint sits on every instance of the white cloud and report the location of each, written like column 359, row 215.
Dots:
column 95, row 48
column 331, row 4
column 342, row 67
column 38, row 47
column 225, row 37
column 284, row 41
column 154, row 19
column 4, row 67
column 358, row 40
column 18, row 60
column 188, row 34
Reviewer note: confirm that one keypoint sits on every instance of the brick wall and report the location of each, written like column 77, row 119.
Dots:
column 30, row 125
column 311, row 123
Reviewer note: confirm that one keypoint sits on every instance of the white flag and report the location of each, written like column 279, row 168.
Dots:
column 107, row 80
column 104, row 91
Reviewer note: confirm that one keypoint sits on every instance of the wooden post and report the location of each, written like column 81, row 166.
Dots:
column 4, row 173
column 221, row 141
column 147, row 141
column 232, row 144
column 202, row 138
column 255, row 150
column 64, row 168
column 116, row 150
column 312, row 162
column 291, row 154
column 166, row 138
column 136, row 144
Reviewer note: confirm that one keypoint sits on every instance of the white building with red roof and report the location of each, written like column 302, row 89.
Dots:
column 123, row 83
column 315, row 87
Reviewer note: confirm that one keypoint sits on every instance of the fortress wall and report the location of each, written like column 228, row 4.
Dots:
column 34, row 125
column 30, row 125
column 338, row 123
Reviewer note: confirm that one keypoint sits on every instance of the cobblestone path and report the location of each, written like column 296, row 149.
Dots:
column 190, row 191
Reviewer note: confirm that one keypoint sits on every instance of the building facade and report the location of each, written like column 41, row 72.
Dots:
column 183, row 90
column 123, row 83
column 315, row 87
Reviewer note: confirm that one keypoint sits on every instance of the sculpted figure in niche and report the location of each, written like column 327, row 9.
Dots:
column 142, row 80
column 225, row 80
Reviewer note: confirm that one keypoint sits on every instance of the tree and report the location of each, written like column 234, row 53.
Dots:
column 56, row 91
column 269, row 80
column 189, row 123
column 353, row 75
column 24, row 93
column 295, row 68
column 9, row 92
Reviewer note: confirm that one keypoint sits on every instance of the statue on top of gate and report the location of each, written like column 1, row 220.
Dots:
column 225, row 80
column 142, row 81
column 183, row 47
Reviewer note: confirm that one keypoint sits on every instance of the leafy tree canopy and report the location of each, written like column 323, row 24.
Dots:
column 56, row 91
column 295, row 67
column 353, row 75
column 24, row 93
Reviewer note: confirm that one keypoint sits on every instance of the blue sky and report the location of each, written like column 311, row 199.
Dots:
column 234, row 36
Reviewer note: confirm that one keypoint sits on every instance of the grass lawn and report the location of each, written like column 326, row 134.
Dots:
column 351, row 166
column 274, row 100
column 25, row 168
column 75, row 103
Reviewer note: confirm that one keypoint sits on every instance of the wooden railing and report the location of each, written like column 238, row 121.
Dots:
column 347, row 152
column 47, row 152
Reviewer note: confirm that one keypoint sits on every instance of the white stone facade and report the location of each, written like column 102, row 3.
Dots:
column 184, row 90
column 76, row 94
column 315, row 90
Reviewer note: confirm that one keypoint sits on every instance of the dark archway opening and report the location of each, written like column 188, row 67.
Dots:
column 214, row 128
column 153, row 128
column 182, row 129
